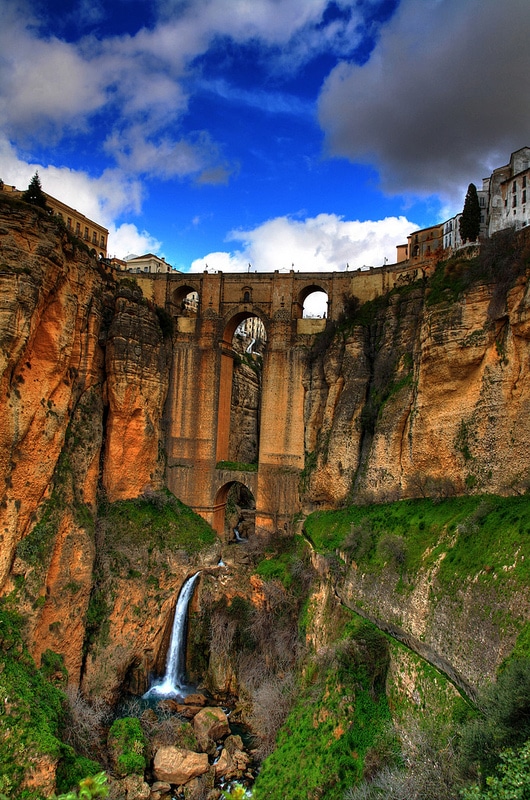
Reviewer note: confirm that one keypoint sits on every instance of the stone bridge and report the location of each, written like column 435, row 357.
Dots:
column 199, row 399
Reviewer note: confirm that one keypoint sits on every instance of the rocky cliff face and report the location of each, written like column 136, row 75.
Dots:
column 423, row 391
column 83, row 378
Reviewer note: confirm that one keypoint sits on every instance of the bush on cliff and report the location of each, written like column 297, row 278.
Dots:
column 127, row 746
column 512, row 781
column 31, row 717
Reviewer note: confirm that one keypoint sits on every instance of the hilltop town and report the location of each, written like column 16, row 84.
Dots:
column 502, row 200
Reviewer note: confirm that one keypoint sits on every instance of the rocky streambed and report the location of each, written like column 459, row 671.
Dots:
column 191, row 749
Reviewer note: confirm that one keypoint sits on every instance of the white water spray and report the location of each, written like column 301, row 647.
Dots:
column 174, row 681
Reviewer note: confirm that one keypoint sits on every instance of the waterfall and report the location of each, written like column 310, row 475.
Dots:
column 238, row 536
column 174, row 681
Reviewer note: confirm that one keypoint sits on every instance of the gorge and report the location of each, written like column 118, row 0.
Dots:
column 385, row 490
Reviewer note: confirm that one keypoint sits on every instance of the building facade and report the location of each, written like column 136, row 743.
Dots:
column 147, row 263
column 508, row 189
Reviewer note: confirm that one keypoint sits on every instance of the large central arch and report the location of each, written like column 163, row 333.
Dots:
column 226, row 379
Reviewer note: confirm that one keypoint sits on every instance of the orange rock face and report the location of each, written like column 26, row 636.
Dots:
column 83, row 379
column 421, row 398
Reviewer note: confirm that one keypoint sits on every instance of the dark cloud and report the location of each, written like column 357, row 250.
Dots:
column 443, row 99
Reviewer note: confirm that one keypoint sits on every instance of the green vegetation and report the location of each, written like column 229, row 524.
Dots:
column 166, row 322
column 512, row 781
column 34, row 194
column 481, row 536
column 501, row 259
column 156, row 520
column 470, row 220
column 89, row 789
column 31, row 711
column 127, row 744
column 338, row 720
column 237, row 465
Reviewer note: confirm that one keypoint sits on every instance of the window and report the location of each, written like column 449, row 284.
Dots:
column 86, row 233
column 94, row 237
column 514, row 201
column 514, row 186
column 78, row 228
column 69, row 222
column 524, row 181
column 102, row 241
column 523, row 199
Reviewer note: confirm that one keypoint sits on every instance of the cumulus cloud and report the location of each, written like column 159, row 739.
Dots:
column 323, row 243
column 128, row 239
column 442, row 100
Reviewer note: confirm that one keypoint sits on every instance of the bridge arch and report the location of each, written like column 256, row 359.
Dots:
column 185, row 299
column 224, row 451
column 234, row 507
column 235, row 319
column 306, row 292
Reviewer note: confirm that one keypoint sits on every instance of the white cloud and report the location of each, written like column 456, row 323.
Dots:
column 128, row 239
column 442, row 100
column 323, row 243
column 46, row 84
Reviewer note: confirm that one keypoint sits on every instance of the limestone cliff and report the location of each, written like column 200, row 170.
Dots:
column 424, row 390
column 83, row 377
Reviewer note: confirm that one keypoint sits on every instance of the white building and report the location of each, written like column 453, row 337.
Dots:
column 507, row 188
column 147, row 263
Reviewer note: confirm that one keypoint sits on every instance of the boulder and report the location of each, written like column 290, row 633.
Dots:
column 159, row 790
column 197, row 788
column 187, row 711
column 135, row 788
column 195, row 699
column 233, row 761
column 178, row 766
column 210, row 724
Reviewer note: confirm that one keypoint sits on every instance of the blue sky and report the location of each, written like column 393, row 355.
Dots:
column 270, row 132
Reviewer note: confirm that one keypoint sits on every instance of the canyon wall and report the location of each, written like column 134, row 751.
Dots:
column 422, row 392
column 83, row 379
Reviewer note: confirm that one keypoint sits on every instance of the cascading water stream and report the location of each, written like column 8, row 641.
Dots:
column 174, row 681
column 238, row 536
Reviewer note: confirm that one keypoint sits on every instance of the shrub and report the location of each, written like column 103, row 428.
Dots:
column 127, row 744
column 392, row 548
column 89, row 789
column 505, row 720
column 512, row 781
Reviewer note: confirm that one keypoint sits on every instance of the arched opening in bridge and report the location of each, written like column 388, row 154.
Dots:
column 235, row 512
column 240, row 388
column 185, row 301
column 314, row 302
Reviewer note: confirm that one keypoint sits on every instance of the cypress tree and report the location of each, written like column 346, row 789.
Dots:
column 470, row 219
column 34, row 193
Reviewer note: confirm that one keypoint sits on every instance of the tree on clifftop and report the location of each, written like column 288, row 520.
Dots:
column 34, row 193
column 470, row 219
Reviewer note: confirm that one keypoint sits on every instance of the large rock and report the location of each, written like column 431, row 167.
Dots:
column 178, row 766
column 233, row 760
column 210, row 724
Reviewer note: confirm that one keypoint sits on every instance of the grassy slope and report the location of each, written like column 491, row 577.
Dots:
column 483, row 536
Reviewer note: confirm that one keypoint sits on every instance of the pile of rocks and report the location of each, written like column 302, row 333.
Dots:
column 203, row 756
